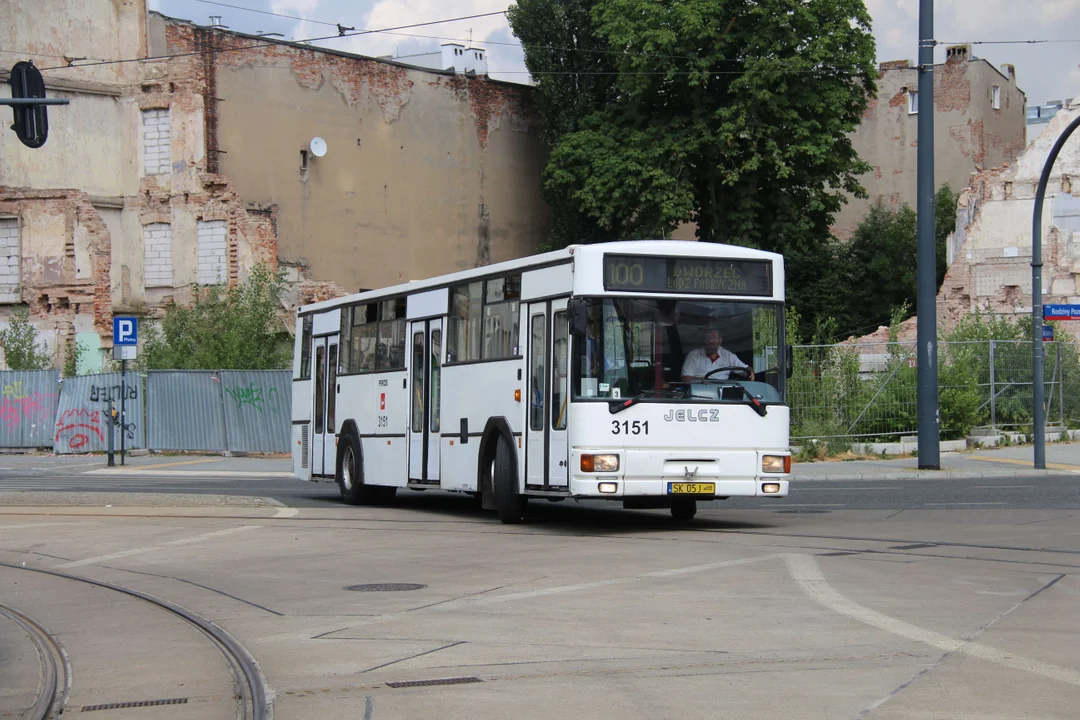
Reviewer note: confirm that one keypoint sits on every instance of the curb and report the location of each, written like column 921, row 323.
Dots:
column 928, row 475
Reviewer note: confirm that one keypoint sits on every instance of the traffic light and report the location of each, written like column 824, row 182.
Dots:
column 31, row 121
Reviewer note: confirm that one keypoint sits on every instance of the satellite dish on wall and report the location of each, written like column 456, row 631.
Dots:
column 318, row 147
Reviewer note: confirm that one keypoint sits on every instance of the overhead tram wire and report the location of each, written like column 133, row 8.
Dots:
column 437, row 37
column 1001, row 42
column 257, row 45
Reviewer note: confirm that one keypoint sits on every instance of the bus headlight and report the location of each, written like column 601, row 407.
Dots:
column 599, row 463
column 776, row 463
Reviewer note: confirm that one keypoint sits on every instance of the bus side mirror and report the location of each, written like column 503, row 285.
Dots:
column 789, row 360
column 579, row 316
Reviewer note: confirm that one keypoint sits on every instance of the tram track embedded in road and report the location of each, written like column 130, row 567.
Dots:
column 251, row 684
column 55, row 669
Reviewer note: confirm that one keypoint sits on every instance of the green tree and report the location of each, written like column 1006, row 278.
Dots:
column 732, row 114
column 859, row 284
column 22, row 350
column 234, row 328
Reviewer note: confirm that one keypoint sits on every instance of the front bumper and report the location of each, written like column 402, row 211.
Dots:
column 650, row 473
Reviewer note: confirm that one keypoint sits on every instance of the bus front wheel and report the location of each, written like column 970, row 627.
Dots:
column 508, row 501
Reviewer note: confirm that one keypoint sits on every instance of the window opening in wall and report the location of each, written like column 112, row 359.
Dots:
column 212, row 245
column 157, row 143
column 10, row 260
column 157, row 255
column 303, row 161
column 995, row 97
column 912, row 102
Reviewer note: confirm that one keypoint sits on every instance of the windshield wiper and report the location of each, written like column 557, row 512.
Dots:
column 620, row 406
column 755, row 404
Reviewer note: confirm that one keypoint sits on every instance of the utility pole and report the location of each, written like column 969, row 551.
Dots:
column 928, row 416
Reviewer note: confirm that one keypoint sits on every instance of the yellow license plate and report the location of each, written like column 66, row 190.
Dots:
column 675, row 488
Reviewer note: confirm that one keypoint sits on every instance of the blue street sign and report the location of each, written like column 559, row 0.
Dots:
column 1061, row 312
column 1048, row 332
column 125, row 330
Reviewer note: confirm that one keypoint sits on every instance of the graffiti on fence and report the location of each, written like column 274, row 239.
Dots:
column 76, row 425
column 18, row 405
column 253, row 395
column 35, row 408
column 105, row 393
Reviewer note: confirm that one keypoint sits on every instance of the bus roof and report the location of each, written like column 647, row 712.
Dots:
column 688, row 248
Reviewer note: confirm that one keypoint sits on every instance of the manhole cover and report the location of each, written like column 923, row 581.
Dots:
column 385, row 587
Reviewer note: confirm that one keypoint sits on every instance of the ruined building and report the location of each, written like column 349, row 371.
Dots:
column 979, row 123
column 990, row 252
column 186, row 156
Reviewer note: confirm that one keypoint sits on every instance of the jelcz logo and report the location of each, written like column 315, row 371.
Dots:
column 702, row 415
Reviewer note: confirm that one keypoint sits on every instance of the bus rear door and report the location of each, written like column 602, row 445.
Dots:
column 425, row 374
column 323, row 447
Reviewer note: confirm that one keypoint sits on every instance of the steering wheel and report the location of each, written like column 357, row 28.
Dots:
column 736, row 372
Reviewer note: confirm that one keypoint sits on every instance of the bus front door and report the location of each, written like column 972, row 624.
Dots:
column 548, row 363
column 425, row 375
column 323, row 447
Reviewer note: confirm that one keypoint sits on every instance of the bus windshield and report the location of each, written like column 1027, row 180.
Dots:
column 678, row 350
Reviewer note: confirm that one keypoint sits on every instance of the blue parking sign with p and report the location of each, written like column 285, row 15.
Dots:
column 125, row 330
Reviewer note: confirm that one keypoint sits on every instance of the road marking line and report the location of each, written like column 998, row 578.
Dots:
column 136, row 472
column 967, row 503
column 140, row 551
column 42, row 525
column 286, row 512
column 845, row 489
column 490, row 600
column 808, row 575
column 1012, row 461
column 807, row 505
column 999, row 487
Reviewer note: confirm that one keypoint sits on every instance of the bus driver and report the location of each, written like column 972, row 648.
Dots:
column 700, row 361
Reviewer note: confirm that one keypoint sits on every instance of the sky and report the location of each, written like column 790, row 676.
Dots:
column 1045, row 72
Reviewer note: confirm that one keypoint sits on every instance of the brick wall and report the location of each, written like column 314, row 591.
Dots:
column 213, row 242
column 157, row 142
column 9, row 260
column 157, row 255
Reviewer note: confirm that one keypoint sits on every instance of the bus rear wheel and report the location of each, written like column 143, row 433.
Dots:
column 350, row 475
column 683, row 510
column 509, row 503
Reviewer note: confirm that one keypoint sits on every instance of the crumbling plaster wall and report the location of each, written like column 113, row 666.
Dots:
column 426, row 172
column 969, row 134
column 990, row 252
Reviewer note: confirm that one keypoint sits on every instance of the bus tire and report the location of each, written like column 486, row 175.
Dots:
column 509, row 503
column 683, row 510
column 350, row 473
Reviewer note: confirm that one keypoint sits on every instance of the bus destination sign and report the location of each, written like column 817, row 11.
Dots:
column 704, row 276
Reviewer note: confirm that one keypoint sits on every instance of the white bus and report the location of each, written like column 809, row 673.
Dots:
column 563, row 375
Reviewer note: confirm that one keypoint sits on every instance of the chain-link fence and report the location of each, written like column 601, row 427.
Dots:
column 871, row 390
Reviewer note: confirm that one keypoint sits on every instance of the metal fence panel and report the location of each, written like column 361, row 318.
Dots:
column 870, row 390
column 28, row 408
column 184, row 410
column 82, row 414
column 258, row 409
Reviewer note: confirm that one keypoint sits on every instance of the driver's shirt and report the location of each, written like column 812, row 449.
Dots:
column 697, row 363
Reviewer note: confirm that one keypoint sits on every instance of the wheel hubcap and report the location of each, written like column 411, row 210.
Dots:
column 347, row 469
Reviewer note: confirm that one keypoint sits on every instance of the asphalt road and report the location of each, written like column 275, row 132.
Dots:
column 1035, row 492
